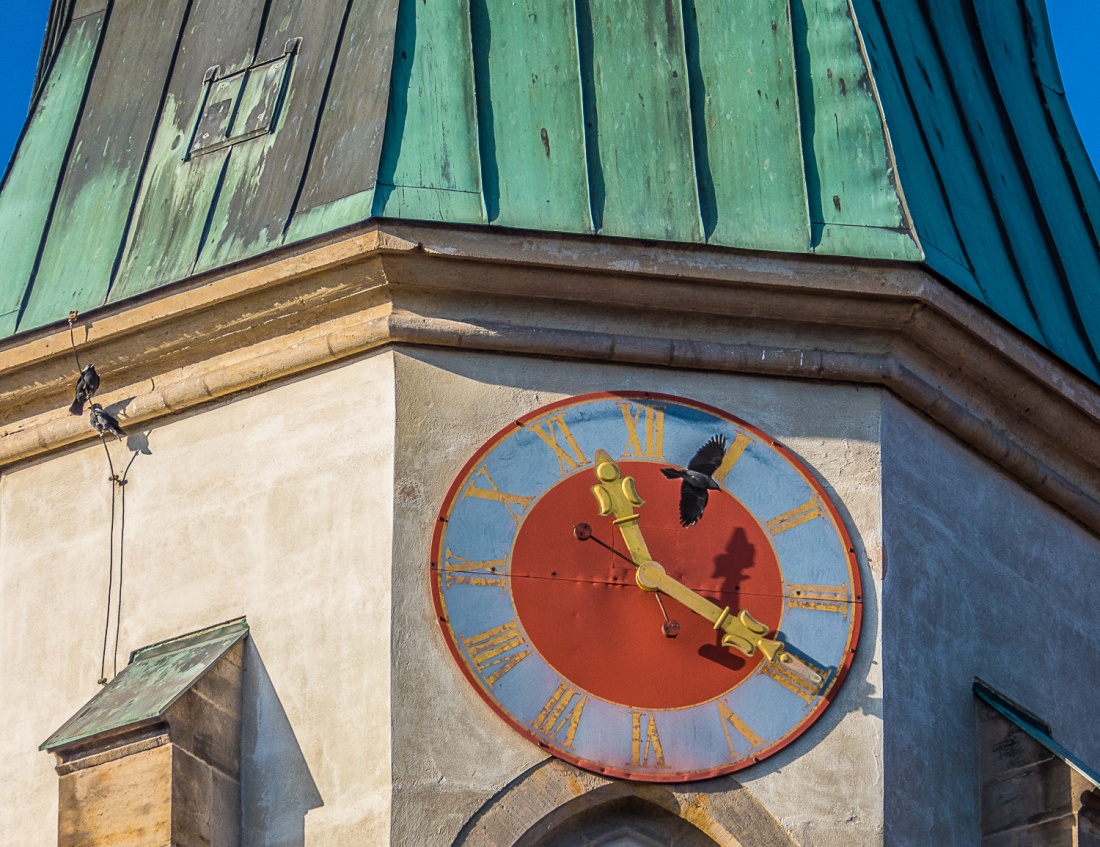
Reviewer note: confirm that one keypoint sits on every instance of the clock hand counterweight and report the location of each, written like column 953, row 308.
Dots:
column 617, row 495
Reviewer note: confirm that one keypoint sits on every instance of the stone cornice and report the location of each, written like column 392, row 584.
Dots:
column 575, row 298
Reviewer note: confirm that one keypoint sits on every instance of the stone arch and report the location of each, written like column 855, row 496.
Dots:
column 549, row 804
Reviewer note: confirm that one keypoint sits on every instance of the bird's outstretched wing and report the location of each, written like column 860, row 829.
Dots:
column 709, row 457
column 692, row 502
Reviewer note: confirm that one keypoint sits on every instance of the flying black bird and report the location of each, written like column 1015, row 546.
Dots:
column 697, row 479
column 104, row 422
column 86, row 385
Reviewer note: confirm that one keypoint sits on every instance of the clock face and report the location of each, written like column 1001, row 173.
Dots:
column 539, row 598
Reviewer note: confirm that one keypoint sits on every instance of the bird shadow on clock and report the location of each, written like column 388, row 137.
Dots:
column 724, row 584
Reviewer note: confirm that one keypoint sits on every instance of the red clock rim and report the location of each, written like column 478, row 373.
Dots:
column 672, row 777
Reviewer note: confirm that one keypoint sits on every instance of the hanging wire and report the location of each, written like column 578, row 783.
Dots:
column 110, row 588
column 121, row 485
column 73, row 315
column 116, row 484
column 118, row 515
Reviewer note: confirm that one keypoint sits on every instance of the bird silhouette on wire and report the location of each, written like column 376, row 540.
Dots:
column 104, row 422
column 87, row 384
column 696, row 479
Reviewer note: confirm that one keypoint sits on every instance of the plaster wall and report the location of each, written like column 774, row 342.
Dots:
column 452, row 754
column 276, row 505
column 984, row 580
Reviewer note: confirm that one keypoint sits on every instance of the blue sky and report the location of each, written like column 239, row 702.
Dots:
column 1076, row 26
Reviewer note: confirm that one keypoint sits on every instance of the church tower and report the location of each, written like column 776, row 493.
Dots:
column 549, row 423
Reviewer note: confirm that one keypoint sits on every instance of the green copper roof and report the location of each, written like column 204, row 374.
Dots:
column 172, row 138
column 156, row 677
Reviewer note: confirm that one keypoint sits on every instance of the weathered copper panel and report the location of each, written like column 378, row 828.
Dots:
column 262, row 176
column 646, row 185
column 32, row 178
column 173, row 208
column 750, row 116
column 107, row 160
column 855, row 207
column 338, row 187
column 530, row 118
column 430, row 168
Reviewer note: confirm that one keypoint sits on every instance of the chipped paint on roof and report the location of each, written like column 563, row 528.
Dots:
column 836, row 127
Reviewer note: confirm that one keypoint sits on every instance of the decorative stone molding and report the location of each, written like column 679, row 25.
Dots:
column 540, row 801
column 601, row 300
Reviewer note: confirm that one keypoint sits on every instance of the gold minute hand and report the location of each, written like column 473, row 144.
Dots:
column 618, row 495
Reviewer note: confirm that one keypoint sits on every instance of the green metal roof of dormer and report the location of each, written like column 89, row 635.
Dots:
column 174, row 137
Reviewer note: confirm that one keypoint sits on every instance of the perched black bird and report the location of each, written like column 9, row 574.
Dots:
column 697, row 479
column 104, row 422
column 87, row 384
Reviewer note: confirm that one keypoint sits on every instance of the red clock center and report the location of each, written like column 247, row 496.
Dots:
column 582, row 609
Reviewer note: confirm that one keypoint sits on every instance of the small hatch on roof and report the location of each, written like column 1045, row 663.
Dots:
column 241, row 105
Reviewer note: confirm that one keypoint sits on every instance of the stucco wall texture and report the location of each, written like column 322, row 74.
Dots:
column 275, row 505
column 983, row 580
column 308, row 507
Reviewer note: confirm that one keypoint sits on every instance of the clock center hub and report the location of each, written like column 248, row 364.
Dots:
column 582, row 608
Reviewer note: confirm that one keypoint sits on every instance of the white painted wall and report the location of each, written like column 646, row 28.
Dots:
column 276, row 505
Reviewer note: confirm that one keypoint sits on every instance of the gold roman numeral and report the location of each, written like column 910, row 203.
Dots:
column 460, row 571
column 733, row 453
column 645, row 431
column 562, row 713
column 644, row 742
column 795, row 517
column 569, row 456
column 728, row 719
column 804, row 688
column 823, row 598
column 496, row 651
column 514, row 503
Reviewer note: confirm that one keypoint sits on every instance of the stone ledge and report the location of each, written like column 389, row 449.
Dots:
column 583, row 299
